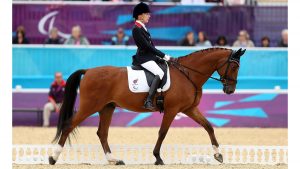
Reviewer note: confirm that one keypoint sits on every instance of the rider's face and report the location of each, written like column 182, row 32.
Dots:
column 145, row 17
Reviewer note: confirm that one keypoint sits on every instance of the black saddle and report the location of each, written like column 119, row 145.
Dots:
column 150, row 76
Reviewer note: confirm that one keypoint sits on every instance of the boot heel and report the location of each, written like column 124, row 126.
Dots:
column 148, row 105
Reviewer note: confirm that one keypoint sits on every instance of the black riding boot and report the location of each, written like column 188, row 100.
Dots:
column 153, row 88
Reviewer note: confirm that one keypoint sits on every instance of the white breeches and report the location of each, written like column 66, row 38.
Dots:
column 152, row 67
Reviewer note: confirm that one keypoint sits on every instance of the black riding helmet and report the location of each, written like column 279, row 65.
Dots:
column 140, row 9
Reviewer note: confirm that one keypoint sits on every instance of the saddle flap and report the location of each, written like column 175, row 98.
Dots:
column 140, row 79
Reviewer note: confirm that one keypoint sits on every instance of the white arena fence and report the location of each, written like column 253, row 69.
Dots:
column 142, row 154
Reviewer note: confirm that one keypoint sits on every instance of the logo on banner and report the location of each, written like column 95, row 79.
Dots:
column 42, row 24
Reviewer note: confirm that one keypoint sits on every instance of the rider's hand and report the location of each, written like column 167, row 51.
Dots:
column 167, row 57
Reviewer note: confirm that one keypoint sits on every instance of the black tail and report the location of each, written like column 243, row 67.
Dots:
column 67, row 108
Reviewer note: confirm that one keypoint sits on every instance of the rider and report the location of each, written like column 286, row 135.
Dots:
column 147, row 55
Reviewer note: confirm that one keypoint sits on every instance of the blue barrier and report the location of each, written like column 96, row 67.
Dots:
column 34, row 65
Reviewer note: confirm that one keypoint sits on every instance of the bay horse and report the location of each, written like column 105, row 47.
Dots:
column 102, row 89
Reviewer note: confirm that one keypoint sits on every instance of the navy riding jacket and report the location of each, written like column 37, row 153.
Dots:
column 146, row 50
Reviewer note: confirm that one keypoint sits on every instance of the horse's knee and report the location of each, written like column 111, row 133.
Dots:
column 208, row 127
column 98, row 133
column 162, row 134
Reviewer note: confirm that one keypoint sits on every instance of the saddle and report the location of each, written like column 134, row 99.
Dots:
column 140, row 79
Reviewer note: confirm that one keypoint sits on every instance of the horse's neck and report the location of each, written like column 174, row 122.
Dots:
column 203, row 62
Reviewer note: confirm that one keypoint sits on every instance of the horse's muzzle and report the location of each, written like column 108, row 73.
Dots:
column 228, row 89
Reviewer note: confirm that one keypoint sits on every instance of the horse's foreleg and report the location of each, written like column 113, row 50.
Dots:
column 165, row 125
column 198, row 117
column 104, row 123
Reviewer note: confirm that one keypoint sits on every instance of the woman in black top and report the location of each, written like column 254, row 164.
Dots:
column 20, row 37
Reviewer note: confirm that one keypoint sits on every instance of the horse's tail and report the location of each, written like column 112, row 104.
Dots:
column 67, row 109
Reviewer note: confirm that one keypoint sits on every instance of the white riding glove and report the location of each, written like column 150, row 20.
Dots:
column 167, row 57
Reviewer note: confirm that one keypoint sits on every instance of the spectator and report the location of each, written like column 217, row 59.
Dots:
column 20, row 37
column 120, row 38
column 265, row 41
column 55, row 98
column 53, row 37
column 243, row 40
column 77, row 38
column 221, row 41
column 284, row 39
column 188, row 40
column 202, row 40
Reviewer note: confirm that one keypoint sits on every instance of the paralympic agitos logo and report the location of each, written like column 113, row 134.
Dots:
column 42, row 24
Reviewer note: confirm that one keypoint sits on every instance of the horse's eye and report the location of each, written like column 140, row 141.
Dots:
column 233, row 68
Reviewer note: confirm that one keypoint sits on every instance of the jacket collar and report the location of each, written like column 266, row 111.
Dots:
column 139, row 24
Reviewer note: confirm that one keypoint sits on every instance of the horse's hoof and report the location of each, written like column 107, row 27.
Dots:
column 120, row 162
column 51, row 160
column 159, row 162
column 219, row 157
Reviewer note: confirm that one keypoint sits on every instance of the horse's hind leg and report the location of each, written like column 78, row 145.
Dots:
column 197, row 116
column 76, row 120
column 104, row 123
column 85, row 110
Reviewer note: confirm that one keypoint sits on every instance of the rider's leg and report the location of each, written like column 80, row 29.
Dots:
column 156, row 70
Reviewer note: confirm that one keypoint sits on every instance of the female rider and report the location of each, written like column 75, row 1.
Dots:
column 147, row 55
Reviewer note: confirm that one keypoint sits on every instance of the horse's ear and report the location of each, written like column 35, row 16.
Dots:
column 242, row 52
column 238, row 52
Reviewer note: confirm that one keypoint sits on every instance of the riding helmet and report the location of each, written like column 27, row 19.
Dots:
column 140, row 9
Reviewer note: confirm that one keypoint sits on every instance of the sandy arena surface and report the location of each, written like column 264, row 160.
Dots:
column 132, row 135
column 150, row 167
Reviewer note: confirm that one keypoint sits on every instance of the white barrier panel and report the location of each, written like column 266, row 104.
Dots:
column 142, row 154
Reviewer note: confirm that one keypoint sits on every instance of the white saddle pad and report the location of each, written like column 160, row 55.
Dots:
column 137, row 81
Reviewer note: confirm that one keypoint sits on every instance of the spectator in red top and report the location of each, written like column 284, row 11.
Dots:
column 55, row 98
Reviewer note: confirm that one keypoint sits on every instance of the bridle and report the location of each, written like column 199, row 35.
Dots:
column 224, row 79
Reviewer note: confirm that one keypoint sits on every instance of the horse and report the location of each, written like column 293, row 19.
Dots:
column 102, row 89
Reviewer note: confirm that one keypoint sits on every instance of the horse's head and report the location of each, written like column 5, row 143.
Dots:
column 228, row 71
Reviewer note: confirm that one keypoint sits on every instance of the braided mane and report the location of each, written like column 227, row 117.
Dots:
column 203, row 50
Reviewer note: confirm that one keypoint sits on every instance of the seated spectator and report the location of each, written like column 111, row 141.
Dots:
column 284, row 39
column 53, row 37
column 188, row 40
column 265, row 41
column 120, row 38
column 221, row 41
column 20, row 37
column 202, row 40
column 77, row 38
column 55, row 98
column 243, row 40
